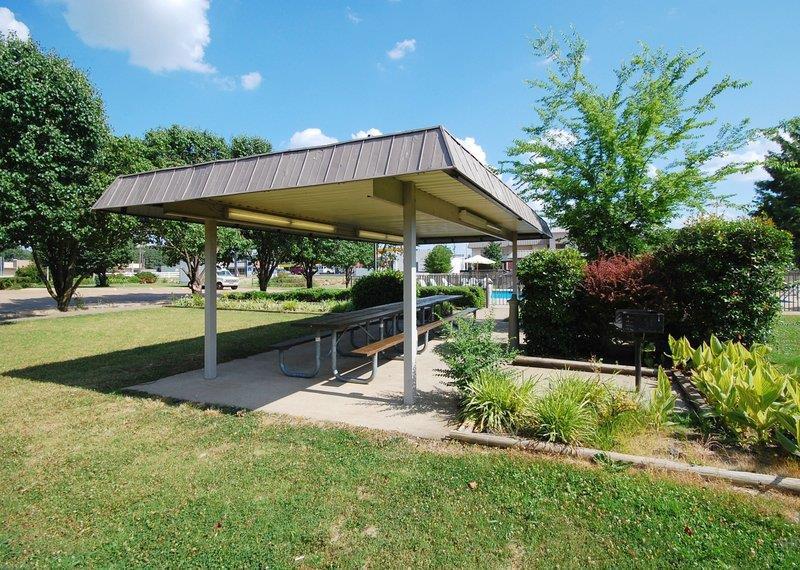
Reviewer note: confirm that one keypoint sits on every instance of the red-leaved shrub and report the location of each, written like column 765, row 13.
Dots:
column 617, row 282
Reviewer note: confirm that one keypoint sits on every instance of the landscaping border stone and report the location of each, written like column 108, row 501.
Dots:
column 581, row 365
column 760, row 480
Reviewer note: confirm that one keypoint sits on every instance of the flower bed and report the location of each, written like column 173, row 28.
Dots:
column 229, row 302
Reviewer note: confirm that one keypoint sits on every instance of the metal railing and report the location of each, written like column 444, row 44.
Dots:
column 790, row 296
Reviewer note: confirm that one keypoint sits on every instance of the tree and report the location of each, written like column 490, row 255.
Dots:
column 177, row 145
column 494, row 252
column 233, row 246
column 309, row 252
column 53, row 129
column 121, row 155
column 439, row 260
column 244, row 145
column 613, row 168
column 347, row 254
column 182, row 242
column 779, row 197
column 387, row 255
column 271, row 249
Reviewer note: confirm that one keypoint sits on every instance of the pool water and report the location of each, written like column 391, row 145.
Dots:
column 501, row 294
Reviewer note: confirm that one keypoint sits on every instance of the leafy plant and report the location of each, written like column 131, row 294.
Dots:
column 752, row 398
column 496, row 400
column 378, row 288
column 470, row 349
column 662, row 402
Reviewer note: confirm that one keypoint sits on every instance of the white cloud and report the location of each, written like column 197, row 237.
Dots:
column 373, row 132
column 753, row 151
column 310, row 137
column 352, row 16
column 159, row 35
column 402, row 48
column 251, row 80
column 10, row 25
column 471, row 145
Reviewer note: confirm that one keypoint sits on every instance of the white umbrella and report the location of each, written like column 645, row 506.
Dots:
column 479, row 260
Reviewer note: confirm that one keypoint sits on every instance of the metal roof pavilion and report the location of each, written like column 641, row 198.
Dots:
column 341, row 190
column 414, row 187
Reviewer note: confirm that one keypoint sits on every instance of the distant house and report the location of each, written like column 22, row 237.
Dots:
column 559, row 240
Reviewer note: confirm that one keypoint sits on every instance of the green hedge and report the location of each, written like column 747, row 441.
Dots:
column 313, row 294
column 386, row 286
column 722, row 278
column 549, row 307
column 378, row 288
column 713, row 277
column 472, row 296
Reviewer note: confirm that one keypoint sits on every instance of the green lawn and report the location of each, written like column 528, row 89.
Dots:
column 786, row 342
column 92, row 477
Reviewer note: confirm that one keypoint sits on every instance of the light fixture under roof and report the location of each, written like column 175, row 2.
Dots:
column 377, row 236
column 279, row 221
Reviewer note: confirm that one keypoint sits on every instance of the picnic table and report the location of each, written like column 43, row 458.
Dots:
column 334, row 324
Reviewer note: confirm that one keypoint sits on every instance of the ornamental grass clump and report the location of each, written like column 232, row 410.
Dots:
column 498, row 401
column 752, row 399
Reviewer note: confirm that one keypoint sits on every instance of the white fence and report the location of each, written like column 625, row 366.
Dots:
column 500, row 282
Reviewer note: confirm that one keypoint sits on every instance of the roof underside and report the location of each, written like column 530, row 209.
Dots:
column 352, row 187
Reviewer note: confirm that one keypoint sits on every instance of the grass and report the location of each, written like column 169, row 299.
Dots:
column 93, row 477
column 786, row 342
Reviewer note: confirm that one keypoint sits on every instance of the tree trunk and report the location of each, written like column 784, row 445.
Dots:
column 62, row 281
column 192, row 269
column 102, row 277
column 348, row 276
column 308, row 273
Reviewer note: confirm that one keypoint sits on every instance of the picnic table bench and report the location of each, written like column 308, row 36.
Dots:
column 336, row 324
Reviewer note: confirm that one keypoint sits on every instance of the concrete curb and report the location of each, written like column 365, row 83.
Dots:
column 540, row 362
column 787, row 484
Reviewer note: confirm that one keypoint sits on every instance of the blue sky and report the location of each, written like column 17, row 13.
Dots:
column 344, row 67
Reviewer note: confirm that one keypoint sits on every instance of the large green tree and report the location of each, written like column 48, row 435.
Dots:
column 177, row 145
column 53, row 131
column 232, row 247
column 614, row 167
column 439, row 260
column 246, row 145
column 348, row 254
column 120, row 155
column 271, row 249
column 310, row 252
column 779, row 197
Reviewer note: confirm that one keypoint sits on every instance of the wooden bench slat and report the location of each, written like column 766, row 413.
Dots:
column 389, row 342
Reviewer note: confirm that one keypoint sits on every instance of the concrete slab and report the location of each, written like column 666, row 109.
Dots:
column 256, row 383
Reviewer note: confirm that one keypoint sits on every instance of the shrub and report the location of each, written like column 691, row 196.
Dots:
column 611, row 283
column 723, row 278
column 378, row 288
column 549, row 308
column 29, row 275
column 12, row 283
column 469, row 349
column 146, row 277
column 439, row 260
column 315, row 294
column 472, row 296
column 496, row 401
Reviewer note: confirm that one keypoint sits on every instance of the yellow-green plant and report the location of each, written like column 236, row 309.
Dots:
column 662, row 403
column 754, row 399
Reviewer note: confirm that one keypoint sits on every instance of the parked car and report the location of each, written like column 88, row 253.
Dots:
column 224, row 279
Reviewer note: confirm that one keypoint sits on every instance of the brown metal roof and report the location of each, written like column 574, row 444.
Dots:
column 264, row 183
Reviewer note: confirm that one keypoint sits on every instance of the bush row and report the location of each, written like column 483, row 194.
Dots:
column 713, row 277
column 315, row 294
column 386, row 286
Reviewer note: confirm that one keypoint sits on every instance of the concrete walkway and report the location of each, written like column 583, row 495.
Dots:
column 256, row 383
